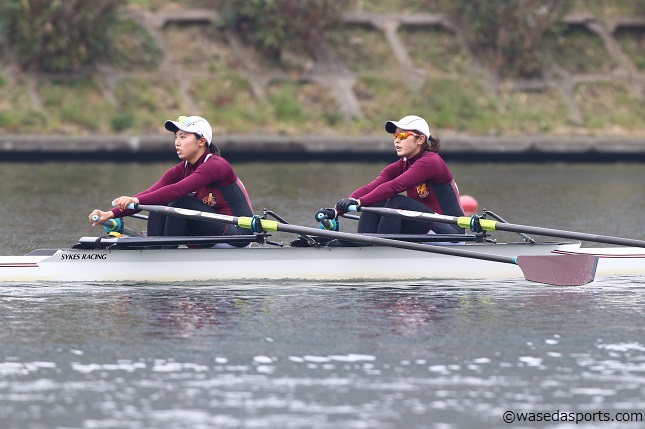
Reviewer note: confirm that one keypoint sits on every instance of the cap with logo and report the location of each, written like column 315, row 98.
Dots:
column 409, row 123
column 192, row 124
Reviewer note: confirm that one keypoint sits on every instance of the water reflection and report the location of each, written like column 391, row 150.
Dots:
column 367, row 313
column 317, row 356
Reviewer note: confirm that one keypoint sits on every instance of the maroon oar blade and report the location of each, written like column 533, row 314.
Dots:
column 574, row 270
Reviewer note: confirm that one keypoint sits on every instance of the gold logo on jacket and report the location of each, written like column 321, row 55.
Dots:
column 422, row 190
column 209, row 200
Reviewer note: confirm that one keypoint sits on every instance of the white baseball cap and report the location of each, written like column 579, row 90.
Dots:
column 409, row 123
column 191, row 124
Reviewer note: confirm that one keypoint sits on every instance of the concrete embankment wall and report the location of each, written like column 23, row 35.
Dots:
column 312, row 148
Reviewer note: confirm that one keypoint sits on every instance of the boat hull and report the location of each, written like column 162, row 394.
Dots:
column 266, row 263
column 613, row 260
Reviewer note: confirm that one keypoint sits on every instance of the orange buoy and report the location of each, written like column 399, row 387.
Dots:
column 469, row 204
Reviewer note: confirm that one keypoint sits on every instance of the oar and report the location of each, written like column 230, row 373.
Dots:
column 492, row 225
column 560, row 270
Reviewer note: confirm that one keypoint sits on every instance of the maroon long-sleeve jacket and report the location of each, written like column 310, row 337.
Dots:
column 425, row 178
column 211, row 179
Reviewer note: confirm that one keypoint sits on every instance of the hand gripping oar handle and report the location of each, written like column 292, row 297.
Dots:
column 561, row 270
column 492, row 225
column 326, row 222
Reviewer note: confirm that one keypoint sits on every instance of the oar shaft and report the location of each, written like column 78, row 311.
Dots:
column 492, row 225
column 501, row 226
column 270, row 225
column 392, row 243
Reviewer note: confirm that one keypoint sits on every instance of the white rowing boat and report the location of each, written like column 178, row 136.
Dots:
column 368, row 258
column 109, row 262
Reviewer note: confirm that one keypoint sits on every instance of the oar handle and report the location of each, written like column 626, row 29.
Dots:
column 110, row 224
column 328, row 213
column 327, row 218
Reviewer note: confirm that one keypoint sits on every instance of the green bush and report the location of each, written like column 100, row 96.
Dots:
column 273, row 26
column 578, row 50
column 122, row 121
column 130, row 46
column 57, row 35
column 506, row 34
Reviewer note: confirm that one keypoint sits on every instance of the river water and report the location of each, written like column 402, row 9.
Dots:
column 433, row 354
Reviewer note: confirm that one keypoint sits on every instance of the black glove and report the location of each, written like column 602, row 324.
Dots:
column 343, row 205
column 325, row 213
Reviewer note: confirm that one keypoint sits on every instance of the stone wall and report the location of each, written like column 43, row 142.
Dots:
column 331, row 73
column 339, row 79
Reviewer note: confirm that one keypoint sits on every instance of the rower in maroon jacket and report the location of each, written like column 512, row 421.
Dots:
column 421, row 173
column 203, row 181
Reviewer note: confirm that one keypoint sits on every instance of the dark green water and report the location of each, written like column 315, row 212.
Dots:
column 444, row 354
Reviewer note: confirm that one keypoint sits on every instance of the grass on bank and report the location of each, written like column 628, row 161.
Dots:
column 75, row 106
column 579, row 51
column 435, row 50
column 199, row 70
column 632, row 42
column 610, row 107
column 144, row 104
column 16, row 112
